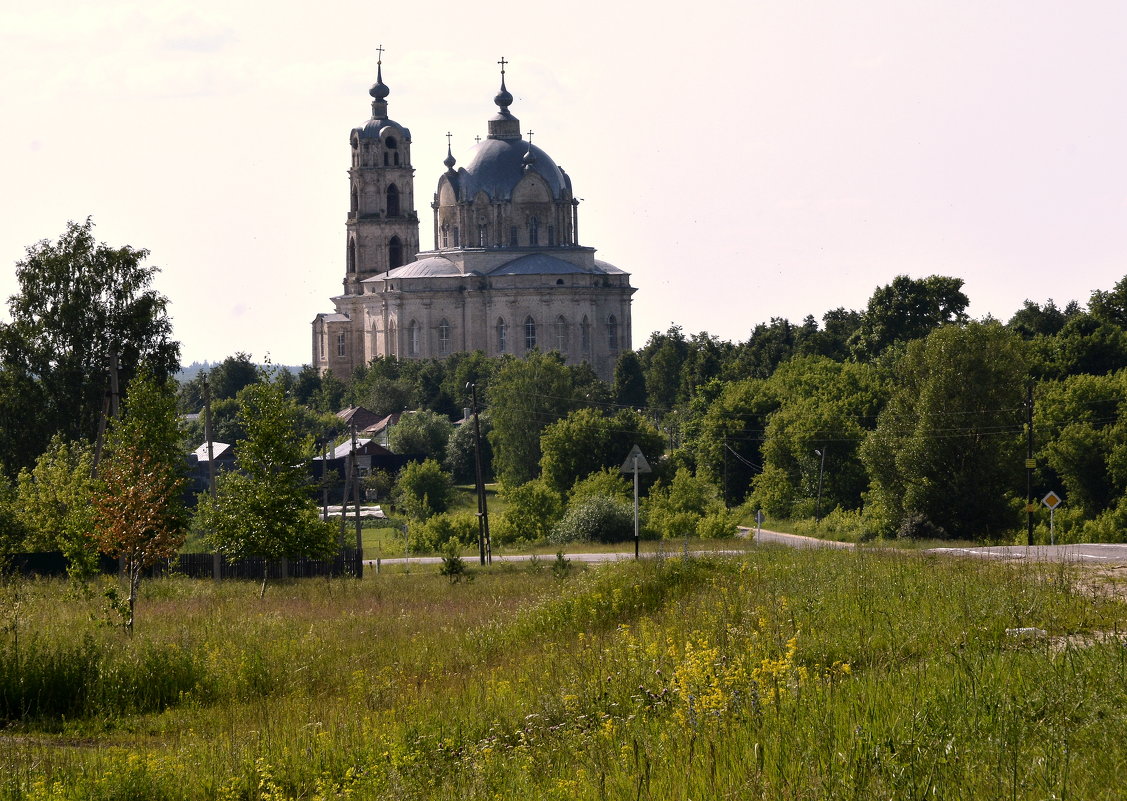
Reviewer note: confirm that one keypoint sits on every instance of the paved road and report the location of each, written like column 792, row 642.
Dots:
column 1105, row 554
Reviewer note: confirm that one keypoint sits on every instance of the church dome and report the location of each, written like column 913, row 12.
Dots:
column 497, row 165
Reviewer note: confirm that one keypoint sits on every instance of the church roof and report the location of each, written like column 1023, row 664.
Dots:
column 608, row 268
column 497, row 165
column 430, row 267
column 536, row 264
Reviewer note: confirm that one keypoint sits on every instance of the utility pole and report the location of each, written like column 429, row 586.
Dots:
column 356, row 495
column 483, row 545
column 821, row 470
column 1030, row 464
column 216, row 558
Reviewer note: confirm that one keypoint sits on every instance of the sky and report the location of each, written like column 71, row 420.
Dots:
column 742, row 161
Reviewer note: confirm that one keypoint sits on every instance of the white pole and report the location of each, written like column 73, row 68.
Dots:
column 635, row 506
column 1052, row 536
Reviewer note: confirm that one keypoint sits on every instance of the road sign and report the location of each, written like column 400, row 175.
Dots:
column 1052, row 500
column 641, row 465
column 1030, row 464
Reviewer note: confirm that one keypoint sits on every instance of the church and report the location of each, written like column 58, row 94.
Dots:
column 506, row 274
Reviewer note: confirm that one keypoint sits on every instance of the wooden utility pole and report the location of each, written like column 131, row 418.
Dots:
column 482, row 507
column 1030, row 464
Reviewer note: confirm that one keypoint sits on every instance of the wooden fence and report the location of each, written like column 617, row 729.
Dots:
column 194, row 565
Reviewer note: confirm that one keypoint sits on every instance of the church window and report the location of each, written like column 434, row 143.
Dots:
column 513, row 236
column 457, row 238
column 612, row 333
column 321, row 342
column 390, row 143
column 529, row 333
column 585, row 335
column 551, row 235
column 482, row 233
column 444, row 337
column 561, row 334
column 355, row 199
column 502, row 335
column 341, row 344
column 446, row 236
column 386, row 160
column 533, row 231
column 393, row 201
column 394, row 253
column 396, row 158
column 352, row 255
column 413, row 338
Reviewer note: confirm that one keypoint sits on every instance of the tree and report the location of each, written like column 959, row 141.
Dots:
column 526, row 396
column 139, row 513
column 531, row 510
column 424, row 489
column 421, row 432
column 265, row 507
column 587, row 441
column 908, row 309
column 79, row 302
column 679, row 508
column 823, row 406
column 460, row 450
column 629, row 381
column 54, row 503
column 948, row 445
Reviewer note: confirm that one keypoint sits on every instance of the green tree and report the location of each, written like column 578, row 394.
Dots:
column 423, row 433
column 139, row 513
column 54, row 503
column 526, row 395
column 79, row 302
column 531, row 510
column 265, row 508
column 587, row 441
column 948, row 445
column 460, row 450
column 908, row 309
column 629, row 381
column 823, row 406
column 424, row 489
column 679, row 508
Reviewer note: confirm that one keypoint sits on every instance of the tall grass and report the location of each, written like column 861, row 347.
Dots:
column 779, row 675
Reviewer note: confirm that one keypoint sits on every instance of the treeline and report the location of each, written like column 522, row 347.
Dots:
column 905, row 418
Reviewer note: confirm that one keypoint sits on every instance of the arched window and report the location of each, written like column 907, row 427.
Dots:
column 413, row 339
column 482, row 234
column 551, row 235
column 394, row 253
column 393, row 201
column 444, row 337
column 355, row 199
column 561, row 334
column 386, row 159
column 585, row 335
column 612, row 333
column 529, row 333
column 396, row 158
column 390, row 143
column 446, row 236
column 352, row 255
column 513, row 236
column 502, row 336
column 342, row 344
column 457, row 238
column 533, row 231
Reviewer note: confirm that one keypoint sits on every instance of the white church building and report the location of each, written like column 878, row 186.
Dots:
column 506, row 275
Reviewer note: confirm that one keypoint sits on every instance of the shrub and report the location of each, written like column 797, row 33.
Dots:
column 442, row 530
column 916, row 526
column 607, row 483
column 424, row 489
column 533, row 508
column 596, row 518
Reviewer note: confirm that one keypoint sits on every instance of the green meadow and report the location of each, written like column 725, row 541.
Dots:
column 777, row 675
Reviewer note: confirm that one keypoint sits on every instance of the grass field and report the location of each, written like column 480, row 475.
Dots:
column 779, row 675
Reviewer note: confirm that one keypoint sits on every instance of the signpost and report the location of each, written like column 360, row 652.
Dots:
column 636, row 463
column 1052, row 500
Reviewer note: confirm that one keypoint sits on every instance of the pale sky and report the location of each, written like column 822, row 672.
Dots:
column 741, row 160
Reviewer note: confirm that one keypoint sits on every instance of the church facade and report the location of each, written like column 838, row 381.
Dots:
column 506, row 274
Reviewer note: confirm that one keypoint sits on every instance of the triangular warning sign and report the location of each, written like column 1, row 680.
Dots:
column 636, row 461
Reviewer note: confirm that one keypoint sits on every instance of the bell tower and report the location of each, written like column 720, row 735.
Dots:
column 383, row 226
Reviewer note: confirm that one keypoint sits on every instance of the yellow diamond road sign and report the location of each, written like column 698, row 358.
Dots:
column 1052, row 500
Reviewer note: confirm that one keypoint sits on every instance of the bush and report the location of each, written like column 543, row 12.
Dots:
column 532, row 510
column 916, row 526
column 718, row 525
column 608, row 483
column 677, row 510
column 596, row 518
column 442, row 530
column 424, row 489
